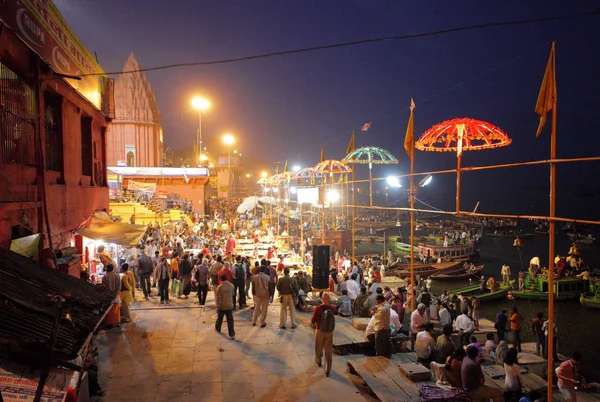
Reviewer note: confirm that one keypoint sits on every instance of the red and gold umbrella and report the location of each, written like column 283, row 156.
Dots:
column 458, row 135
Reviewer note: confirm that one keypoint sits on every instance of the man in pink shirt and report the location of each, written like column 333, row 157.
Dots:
column 569, row 377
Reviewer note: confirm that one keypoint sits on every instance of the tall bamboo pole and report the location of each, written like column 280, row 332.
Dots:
column 353, row 215
column 412, row 231
column 302, row 251
column 551, row 237
column 458, row 162
column 370, row 183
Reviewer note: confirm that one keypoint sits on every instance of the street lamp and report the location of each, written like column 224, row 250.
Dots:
column 264, row 175
column 201, row 105
column 228, row 139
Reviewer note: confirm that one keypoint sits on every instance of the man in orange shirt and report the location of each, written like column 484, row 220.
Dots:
column 516, row 321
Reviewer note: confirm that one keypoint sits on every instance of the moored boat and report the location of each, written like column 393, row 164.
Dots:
column 457, row 273
column 453, row 252
column 537, row 289
column 475, row 290
column 590, row 301
column 581, row 238
column 423, row 270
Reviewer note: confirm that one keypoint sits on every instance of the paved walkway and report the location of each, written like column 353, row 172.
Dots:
column 173, row 353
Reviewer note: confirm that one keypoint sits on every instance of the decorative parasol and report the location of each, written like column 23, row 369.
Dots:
column 370, row 155
column 460, row 135
column 307, row 173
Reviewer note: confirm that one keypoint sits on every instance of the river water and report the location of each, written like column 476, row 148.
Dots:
column 578, row 327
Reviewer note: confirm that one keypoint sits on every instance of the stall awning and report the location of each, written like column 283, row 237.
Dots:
column 108, row 231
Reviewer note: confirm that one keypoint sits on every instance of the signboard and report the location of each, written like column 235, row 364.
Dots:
column 42, row 27
column 18, row 384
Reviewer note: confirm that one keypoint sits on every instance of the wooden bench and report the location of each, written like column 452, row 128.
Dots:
column 384, row 379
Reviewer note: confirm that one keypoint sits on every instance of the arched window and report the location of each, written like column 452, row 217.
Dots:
column 130, row 159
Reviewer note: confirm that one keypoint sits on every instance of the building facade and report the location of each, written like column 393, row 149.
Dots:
column 135, row 136
column 52, row 127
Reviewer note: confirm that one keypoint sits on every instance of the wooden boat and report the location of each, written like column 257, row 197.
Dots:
column 423, row 270
column 458, row 273
column 537, row 289
column 590, row 301
column 510, row 235
column 458, row 252
column 368, row 239
column 581, row 238
column 474, row 290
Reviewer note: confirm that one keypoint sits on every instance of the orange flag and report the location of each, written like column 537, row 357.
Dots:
column 547, row 97
column 350, row 145
column 322, row 154
column 409, row 139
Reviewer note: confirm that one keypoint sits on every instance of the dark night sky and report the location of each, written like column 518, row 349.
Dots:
column 287, row 107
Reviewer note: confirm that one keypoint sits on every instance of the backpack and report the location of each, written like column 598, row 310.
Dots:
column 238, row 273
column 327, row 323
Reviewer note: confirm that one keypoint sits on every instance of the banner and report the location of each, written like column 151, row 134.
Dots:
column 19, row 383
column 139, row 186
column 43, row 28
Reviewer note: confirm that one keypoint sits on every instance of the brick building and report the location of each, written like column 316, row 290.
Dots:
column 52, row 126
column 135, row 136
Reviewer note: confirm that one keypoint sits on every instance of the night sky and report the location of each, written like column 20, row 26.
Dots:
column 287, row 107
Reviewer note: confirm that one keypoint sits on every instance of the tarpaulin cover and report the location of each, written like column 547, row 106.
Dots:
column 111, row 232
column 139, row 186
column 26, row 246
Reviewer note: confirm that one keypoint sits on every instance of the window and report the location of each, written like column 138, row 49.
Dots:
column 130, row 155
column 17, row 119
column 53, row 129
column 87, row 161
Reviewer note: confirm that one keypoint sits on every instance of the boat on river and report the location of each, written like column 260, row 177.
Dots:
column 452, row 252
column 592, row 299
column 536, row 288
column 457, row 273
column 423, row 270
column 581, row 238
column 475, row 290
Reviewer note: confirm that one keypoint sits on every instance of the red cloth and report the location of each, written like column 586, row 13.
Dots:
column 316, row 318
column 331, row 285
column 230, row 245
column 71, row 397
column 114, row 315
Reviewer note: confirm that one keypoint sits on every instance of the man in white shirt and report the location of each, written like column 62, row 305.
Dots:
column 417, row 323
column 445, row 317
column 381, row 326
column 425, row 342
column 395, row 326
column 353, row 288
column 465, row 327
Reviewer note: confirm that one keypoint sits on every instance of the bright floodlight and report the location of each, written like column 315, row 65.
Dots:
column 393, row 181
column 264, row 174
column 203, row 157
column 333, row 196
column 200, row 104
column 275, row 190
column 296, row 168
column 425, row 181
column 293, row 190
column 228, row 139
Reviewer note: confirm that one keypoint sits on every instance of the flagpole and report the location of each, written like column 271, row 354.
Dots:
column 551, row 238
column 353, row 216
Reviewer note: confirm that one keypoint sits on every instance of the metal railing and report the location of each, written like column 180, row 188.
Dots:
column 17, row 119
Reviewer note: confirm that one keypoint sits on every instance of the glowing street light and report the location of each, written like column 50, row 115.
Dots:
column 393, row 181
column 263, row 175
column 201, row 105
column 426, row 181
column 296, row 168
column 333, row 196
column 228, row 140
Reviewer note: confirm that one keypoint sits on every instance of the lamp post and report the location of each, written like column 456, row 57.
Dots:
column 201, row 105
column 228, row 139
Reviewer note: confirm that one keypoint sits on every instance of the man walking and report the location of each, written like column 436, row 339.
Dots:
column 185, row 276
column 225, row 306
column 202, row 274
column 145, row 269
column 287, row 289
column 324, row 322
column 164, row 275
column 238, row 275
column 260, row 291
